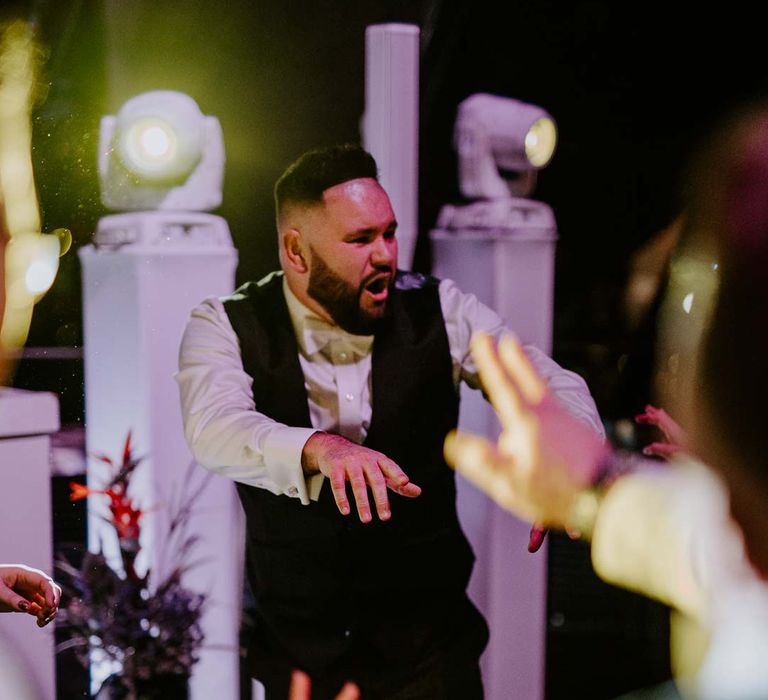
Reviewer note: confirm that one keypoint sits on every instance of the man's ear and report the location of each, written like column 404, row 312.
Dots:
column 293, row 250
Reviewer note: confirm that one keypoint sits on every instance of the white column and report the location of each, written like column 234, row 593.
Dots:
column 27, row 420
column 136, row 301
column 512, row 271
column 391, row 123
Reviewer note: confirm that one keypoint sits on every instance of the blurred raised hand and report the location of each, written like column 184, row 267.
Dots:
column 544, row 456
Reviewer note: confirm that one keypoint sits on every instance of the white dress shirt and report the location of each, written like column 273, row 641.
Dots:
column 228, row 435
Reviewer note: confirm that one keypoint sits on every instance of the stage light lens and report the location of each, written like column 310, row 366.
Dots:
column 156, row 142
column 160, row 137
column 540, row 142
column 149, row 146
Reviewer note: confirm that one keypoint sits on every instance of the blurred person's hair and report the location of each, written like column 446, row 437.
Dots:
column 731, row 199
column 719, row 381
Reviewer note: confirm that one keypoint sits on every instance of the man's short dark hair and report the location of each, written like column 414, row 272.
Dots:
column 305, row 180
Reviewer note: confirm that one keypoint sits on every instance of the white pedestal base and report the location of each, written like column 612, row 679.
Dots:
column 137, row 300
column 513, row 273
column 27, row 420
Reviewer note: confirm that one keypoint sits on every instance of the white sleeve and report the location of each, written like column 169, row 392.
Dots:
column 464, row 315
column 222, row 426
column 665, row 531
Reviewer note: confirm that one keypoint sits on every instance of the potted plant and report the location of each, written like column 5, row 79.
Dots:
column 147, row 627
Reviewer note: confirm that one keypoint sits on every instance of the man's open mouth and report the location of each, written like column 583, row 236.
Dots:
column 378, row 288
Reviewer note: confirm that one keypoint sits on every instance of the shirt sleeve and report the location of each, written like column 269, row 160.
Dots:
column 665, row 532
column 223, row 428
column 465, row 314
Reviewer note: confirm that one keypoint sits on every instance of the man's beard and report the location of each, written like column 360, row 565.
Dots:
column 341, row 300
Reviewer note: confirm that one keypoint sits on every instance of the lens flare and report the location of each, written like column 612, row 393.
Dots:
column 149, row 145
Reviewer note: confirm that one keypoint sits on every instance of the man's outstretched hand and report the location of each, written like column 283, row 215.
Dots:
column 341, row 460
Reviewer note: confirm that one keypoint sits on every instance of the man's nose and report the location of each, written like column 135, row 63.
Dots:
column 383, row 252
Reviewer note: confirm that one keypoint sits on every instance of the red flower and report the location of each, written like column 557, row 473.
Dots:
column 78, row 491
column 124, row 516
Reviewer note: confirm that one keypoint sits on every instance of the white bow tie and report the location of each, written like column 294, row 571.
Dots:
column 318, row 334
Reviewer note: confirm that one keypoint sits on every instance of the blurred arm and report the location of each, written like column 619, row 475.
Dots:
column 652, row 532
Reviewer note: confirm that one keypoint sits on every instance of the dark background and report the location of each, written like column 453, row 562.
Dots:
column 632, row 92
column 634, row 87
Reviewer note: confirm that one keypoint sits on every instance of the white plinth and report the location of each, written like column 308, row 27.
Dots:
column 390, row 124
column 27, row 420
column 513, row 273
column 137, row 300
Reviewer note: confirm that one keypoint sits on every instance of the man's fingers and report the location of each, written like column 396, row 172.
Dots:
column 378, row 475
column 339, row 488
column 360, row 491
column 391, row 471
column 378, row 485
column 409, row 490
column 397, row 480
column 503, row 393
column 521, row 371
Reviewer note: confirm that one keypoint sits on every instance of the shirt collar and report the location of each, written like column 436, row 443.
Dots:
column 313, row 333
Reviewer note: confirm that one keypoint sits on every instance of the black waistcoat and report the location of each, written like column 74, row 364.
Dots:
column 316, row 574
